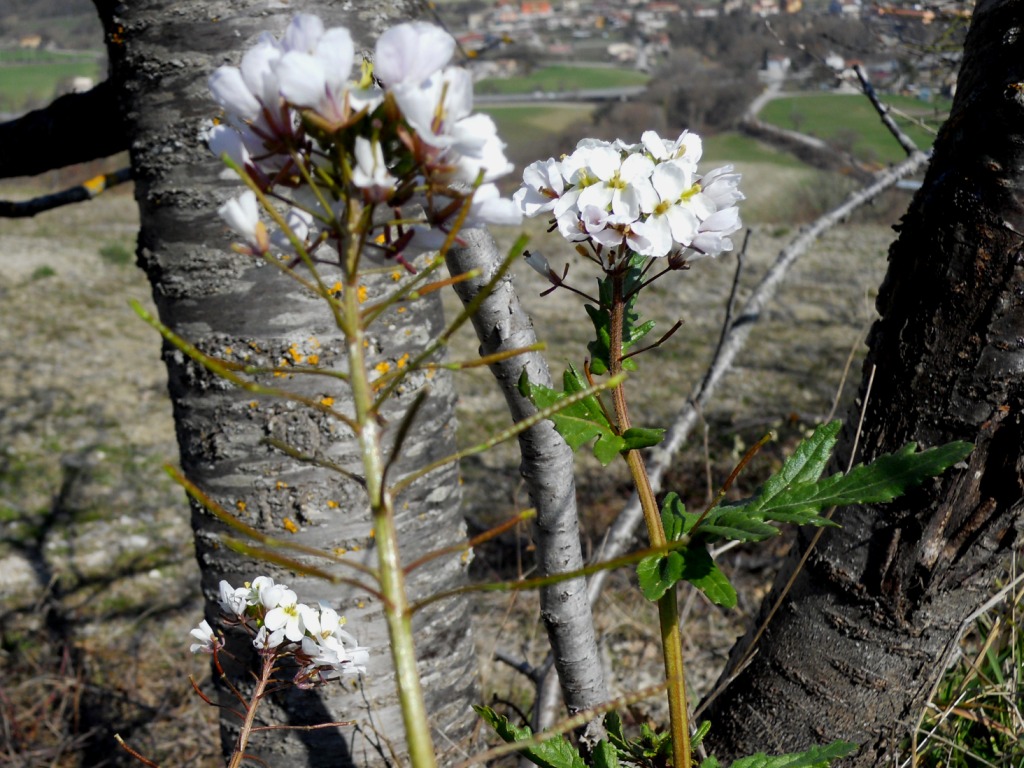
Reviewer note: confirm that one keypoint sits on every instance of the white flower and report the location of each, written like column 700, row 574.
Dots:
column 712, row 236
column 208, row 639
column 267, row 640
column 543, row 184
column 320, row 79
column 230, row 91
column 300, row 222
column 233, row 601
column 370, row 171
column 303, row 33
column 293, row 617
column 242, row 214
column 722, row 187
column 489, row 207
column 408, row 54
column 687, row 148
column 621, row 185
column 671, row 223
column 224, row 140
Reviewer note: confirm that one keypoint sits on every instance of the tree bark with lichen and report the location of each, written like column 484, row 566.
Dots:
column 237, row 308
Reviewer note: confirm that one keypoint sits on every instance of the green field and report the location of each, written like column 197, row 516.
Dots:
column 521, row 124
column 849, row 119
column 558, row 77
column 30, row 78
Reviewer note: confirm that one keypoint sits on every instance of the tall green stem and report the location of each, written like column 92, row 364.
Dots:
column 392, row 580
column 668, row 607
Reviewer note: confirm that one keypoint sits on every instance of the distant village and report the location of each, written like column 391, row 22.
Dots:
column 506, row 35
column 637, row 33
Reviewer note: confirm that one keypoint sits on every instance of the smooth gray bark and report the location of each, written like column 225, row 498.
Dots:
column 547, row 467
column 229, row 305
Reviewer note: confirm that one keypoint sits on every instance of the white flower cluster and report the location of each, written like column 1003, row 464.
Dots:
column 645, row 198
column 281, row 625
column 406, row 136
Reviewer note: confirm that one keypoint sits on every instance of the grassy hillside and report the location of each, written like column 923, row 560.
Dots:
column 30, row 78
column 563, row 78
column 850, row 120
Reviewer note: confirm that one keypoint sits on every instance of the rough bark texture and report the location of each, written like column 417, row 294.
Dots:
column 502, row 324
column 229, row 305
column 872, row 619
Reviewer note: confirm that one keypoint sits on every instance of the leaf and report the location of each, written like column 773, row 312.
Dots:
column 605, row 756
column 642, row 437
column 553, row 753
column 796, row 494
column 658, row 573
column 815, row 757
column 722, row 522
column 580, row 422
column 884, row 479
column 600, row 347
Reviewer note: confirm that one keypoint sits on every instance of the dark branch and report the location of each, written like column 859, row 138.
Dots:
column 72, row 129
column 84, row 191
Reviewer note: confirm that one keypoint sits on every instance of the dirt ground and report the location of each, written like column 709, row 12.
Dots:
column 98, row 585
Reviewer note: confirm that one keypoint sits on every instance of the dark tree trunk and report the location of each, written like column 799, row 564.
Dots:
column 872, row 619
column 228, row 305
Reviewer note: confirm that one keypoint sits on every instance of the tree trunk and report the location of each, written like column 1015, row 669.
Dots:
column 231, row 306
column 874, row 616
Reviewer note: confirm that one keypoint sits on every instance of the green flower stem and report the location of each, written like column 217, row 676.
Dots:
column 668, row 607
column 392, row 577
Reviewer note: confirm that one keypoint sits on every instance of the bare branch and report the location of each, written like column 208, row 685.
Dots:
column 84, row 191
column 883, row 112
column 72, row 129
column 620, row 535
column 501, row 323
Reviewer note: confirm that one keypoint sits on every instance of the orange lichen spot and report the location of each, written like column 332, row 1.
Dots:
column 403, row 360
column 465, row 556
column 289, row 526
column 431, row 372
column 356, row 548
column 401, row 310
column 362, row 293
column 254, row 404
column 373, row 533
column 332, row 504
column 312, row 359
column 339, row 551
column 240, row 505
column 380, row 239
column 396, row 275
column 335, row 290
column 360, row 604
column 228, row 351
column 280, row 485
column 328, row 401
column 382, row 367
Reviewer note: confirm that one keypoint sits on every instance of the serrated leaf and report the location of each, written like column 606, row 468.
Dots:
column 796, row 494
column 884, row 479
column 658, row 573
column 815, row 757
column 553, row 753
column 580, row 422
column 708, row 578
column 710, row 762
column 722, row 522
